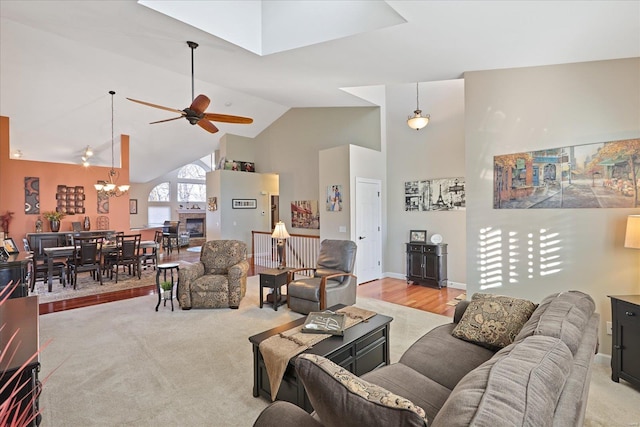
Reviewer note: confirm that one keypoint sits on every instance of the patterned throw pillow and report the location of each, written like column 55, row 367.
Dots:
column 493, row 320
column 342, row 399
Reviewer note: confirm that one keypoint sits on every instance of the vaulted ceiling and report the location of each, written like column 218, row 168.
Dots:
column 59, row 59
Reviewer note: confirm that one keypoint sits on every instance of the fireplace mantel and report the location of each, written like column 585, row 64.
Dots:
column 189, row 211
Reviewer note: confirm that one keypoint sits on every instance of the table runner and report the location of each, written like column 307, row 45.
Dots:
column 279, row 349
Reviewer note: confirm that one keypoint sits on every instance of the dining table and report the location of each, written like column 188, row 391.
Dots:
column 58, row 252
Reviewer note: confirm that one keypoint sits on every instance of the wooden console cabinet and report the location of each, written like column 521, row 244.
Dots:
column 427, row 264
column 20, row 316
column 625, row 352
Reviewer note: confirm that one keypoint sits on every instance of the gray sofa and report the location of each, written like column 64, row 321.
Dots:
column 541, row 378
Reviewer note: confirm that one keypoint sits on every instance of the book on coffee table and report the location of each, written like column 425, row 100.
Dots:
column 324, row 322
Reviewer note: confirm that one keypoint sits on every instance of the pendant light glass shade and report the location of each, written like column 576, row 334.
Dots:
column 418, row 121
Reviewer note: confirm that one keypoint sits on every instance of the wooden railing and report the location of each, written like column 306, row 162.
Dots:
column 301, row 251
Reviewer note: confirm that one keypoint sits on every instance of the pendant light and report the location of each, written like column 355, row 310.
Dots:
column 110, row 187
column 418, row 121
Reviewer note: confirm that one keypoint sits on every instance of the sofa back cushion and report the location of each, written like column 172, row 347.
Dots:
column 343, row 399
column 564, row 315
column 493, row 320
column 519, row 386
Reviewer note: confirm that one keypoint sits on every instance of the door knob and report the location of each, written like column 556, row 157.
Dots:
column 629, row 313
column 361, row 237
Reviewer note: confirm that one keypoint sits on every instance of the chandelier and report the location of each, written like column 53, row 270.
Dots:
column 110, row 187
column 418, row 121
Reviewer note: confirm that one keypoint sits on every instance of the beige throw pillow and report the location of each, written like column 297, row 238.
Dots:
column 493, row 320
column 342, row 399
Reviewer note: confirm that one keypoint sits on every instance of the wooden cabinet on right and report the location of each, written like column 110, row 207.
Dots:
column 427, row 264
column 625, row 352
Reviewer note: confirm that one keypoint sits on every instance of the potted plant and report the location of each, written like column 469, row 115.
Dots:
column 166, row 287
column 54, row 218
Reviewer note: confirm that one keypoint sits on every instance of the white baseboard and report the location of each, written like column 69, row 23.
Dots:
column 602, row 359
column 394, row 276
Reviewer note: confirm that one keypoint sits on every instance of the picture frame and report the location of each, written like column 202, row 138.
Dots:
column 10, row 246
column 418, row 236
column 244, row 203
column 133, row 206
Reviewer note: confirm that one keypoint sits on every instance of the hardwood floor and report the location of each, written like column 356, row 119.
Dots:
column 391, row 290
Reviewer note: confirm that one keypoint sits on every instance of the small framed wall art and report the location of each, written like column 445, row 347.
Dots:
column 133, row 206
column 244, row 203
column 418, row 236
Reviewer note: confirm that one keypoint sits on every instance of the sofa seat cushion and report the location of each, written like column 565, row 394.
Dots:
column 343, row 399
column 519, row 386
column 564, row 315
column 444, row 358
column 210, row 283
column 493, row 320
column 404, row 381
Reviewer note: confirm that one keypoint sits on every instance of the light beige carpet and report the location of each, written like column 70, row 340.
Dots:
column 123, row 364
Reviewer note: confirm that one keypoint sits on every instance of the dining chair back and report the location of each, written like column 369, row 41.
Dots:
column 170, row 234
column 87, row 257
column 128, row 254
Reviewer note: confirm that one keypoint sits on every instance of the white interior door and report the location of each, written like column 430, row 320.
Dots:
column 368, row 235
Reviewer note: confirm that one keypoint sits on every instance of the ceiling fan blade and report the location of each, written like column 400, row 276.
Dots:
column 166, row 120
column 207, row 125
column 200, row 104
column 156, row 106
column 225, row 118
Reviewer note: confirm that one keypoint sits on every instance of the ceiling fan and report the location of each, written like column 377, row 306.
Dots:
column 195, row 113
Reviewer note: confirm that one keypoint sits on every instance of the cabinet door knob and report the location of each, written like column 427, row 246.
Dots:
column 617, row 347
column 629, row 313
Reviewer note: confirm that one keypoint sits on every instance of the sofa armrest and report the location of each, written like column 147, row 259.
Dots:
column 237, row 277
column 461, row 307
column 285, row 414
column 185, row 277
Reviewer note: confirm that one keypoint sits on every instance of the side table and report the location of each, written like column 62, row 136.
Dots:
column 170, row 266
column 274, row 279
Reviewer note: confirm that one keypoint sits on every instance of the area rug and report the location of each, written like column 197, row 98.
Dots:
column 124, row 364
column 87, row 286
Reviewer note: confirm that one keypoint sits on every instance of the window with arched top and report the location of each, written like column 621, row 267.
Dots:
column 191, row 184
column 192, row 171
column 160, row 193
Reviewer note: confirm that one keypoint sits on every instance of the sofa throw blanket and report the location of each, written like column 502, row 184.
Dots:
column 279, row 349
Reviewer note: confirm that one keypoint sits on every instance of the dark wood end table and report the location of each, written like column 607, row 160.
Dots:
column 273, row 278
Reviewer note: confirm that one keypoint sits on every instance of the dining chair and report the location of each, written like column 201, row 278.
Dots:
column 40, row 268
column 170, row 232
column 152, row 256
column 87, row 257
column 127, row 254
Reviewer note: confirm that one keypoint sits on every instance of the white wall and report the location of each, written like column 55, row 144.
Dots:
column 436, row 151
column 229, row 223
column 515, row 110
column 290, row 147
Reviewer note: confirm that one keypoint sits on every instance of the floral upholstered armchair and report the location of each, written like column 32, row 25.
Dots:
column 218, row 280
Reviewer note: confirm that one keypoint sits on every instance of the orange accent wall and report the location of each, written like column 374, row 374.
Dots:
column 13, row 172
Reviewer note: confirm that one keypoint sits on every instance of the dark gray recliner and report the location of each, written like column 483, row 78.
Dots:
column 332, row 282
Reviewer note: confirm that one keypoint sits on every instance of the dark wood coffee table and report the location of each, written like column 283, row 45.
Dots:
column 363, row 348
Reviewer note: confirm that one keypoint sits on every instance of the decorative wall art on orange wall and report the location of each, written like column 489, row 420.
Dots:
column 12, row 191
column 32, row 195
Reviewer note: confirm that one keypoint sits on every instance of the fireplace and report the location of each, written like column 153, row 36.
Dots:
column 195, row 227
column 193, row 221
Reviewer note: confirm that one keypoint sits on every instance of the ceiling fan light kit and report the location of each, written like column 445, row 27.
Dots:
column 418, row 121
column 109, row 187
column 195, row 113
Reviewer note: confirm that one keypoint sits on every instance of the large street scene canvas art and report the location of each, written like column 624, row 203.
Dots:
column 599, row 175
